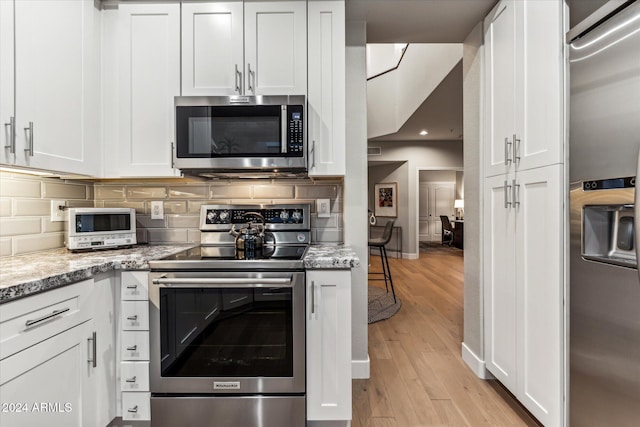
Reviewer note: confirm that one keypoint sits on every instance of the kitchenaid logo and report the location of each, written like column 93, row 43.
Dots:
column 226, row 385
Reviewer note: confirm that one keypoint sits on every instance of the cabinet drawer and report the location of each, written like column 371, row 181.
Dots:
column 136, row 406
column 135, row 315
column 135, row 345
column 134, row 285
column 30, row 320
column 134, row 376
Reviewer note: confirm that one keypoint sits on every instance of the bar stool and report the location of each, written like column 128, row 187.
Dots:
column 379, row 243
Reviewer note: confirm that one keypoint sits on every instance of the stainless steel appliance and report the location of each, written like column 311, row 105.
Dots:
column 227, row 327
column 100, row 228
column 604, row 297
column 230, row 134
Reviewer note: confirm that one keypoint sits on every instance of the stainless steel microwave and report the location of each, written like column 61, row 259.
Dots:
column 99, row 228
column 240, row 134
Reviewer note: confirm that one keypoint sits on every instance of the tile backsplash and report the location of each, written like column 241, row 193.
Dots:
column 25, row 201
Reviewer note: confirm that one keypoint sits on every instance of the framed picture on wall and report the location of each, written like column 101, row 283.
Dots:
column 386, row 199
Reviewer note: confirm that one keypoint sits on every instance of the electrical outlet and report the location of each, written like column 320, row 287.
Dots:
column 157, row 210
column 57, row 210
column 323, row 208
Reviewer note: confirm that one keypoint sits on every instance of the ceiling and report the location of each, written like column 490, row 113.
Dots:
column 424, row 21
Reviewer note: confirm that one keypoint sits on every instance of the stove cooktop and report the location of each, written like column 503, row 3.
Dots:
column 227, row 258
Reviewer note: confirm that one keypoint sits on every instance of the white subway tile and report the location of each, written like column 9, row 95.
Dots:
column 145, row 221
column 273, row 191
column 160, row 235
column 56, row 190
column 109, row 192
column 330, row 222
column 31, row 207
column 317, row 191
column 19, row 226
column 146, row 192
column 138, row 206
column 5, row 207
column 173, row 207
column 5, row 247
column 241, row 191
column 20, row 188
column 41, row 242
column 183, row 221
column 52, row 227
column 188, row 192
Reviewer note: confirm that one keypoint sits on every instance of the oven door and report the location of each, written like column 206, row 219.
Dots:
column 227, row 332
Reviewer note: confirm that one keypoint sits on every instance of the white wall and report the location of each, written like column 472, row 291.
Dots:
column 382, row 57
column 471, row 82
column 437, row 155
column 355, row 200
column 437, row 176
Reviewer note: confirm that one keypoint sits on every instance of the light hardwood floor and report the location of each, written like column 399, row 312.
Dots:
column 418, row 377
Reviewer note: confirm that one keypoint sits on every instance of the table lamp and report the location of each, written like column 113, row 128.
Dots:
column 458, row 204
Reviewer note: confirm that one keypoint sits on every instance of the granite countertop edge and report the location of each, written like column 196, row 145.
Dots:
column 29, row 274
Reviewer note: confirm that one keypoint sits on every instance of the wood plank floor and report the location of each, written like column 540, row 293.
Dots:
column 418, row 377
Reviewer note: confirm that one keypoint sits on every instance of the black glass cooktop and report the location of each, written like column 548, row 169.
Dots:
column 227, row 257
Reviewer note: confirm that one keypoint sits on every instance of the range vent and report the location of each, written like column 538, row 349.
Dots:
column 374, row 151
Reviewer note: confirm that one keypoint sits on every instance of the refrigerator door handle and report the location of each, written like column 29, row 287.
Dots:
column 636, row 216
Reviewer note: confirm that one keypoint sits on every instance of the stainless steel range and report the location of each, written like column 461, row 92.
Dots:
column 227, row 323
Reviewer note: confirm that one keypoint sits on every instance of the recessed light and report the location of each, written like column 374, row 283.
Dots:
column 424, row 132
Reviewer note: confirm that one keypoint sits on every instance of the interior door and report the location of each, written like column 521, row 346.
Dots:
column 424, row 234
column 441, row 203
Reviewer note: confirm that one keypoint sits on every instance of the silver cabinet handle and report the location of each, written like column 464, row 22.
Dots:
column 515, row 188
column 507, row 190
column 132, row 286
column 132, row 348
column 94, row 361
column 238, row 78
column 171, row 155
column 29, row 130
column 313, row 150
column 507, row 146
column 313, row 297
column 134, row 317
column 46, row 317
column 134, row 409
column 251, row 78
column 516, row 149
column 222, row 282
column 284, row 132
column 12, row 135
column 131, row 380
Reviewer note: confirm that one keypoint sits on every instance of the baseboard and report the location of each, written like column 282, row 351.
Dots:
column 476, row 364
column 361, row 369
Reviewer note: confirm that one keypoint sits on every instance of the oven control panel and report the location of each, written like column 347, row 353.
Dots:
column 275, row 216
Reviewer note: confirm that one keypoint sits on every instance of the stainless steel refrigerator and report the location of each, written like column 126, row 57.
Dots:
column 604, row 293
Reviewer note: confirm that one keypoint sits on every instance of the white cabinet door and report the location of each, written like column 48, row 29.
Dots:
column 500, row 47
column 540, row 278
column 424, row 223
column 275, row 47
column 7, row 114
column 148, row 80
column 329, row 345
column 48, row 381
column 539, row 84
column 326, row 100
column 57, row 85
column 500, row 289
column 212, row 48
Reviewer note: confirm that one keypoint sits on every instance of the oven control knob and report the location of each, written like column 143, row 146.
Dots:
column 284, row 215
column 211, row 216
column 297, row 216
column 301, row 238
column 224, row 216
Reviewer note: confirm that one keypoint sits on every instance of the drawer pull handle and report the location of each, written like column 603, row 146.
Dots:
column 131, row 380
column 132, row 348
column 134, row 409
column 93, row 339
column 134, row 317
column 132, row 286
column 46, row 317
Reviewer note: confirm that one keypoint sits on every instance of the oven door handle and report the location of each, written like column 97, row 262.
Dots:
column 207, row 282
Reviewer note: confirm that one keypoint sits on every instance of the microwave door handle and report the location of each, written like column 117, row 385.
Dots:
column 636, row 217
column 284, row 115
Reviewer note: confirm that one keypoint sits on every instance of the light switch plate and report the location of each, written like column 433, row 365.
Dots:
column 57, row 210
column 323, row 207
column 157, row 210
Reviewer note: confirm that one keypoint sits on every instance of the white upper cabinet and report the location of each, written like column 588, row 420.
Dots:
column 326, row 95
column 524, row 82
column 250, row 48
column 148, row 78
column 56, row 84
column 212, row 48
column 275, row 47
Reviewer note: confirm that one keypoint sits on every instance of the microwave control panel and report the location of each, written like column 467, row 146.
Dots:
column 295, row 130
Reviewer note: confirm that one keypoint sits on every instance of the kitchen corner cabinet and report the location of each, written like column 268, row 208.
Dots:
column 524, row 82
column 147, row 53
column 523, row 288
column 53, row 122
column 250, row 48
column 326, row 91
column 58, row 370
column 328, row 345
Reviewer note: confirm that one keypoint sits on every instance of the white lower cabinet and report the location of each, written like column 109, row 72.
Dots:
column 60, row 365
column 328, row 345
column 523, row 287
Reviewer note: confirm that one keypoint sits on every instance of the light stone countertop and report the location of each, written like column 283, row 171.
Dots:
column 28, row 274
